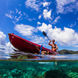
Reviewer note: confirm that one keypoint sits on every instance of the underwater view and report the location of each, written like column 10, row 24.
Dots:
column 11, row 69
column 38, row 38
column 23, row 65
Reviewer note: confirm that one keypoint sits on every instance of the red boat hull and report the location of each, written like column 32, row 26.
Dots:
column 25, row 45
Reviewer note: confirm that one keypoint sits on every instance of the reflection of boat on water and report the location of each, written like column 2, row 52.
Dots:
column 25, row 45
column 59, row 57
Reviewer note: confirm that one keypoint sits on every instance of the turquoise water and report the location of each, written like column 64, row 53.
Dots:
column 23, row 69
column 66, row 67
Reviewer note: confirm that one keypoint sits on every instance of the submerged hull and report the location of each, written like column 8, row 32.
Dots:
column 25, row 45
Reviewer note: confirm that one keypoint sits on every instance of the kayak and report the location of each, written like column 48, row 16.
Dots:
column 25, row 45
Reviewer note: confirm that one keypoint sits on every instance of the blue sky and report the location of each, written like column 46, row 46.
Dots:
column 28, row 18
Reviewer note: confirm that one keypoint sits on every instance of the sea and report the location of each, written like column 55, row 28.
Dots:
column 46, row 66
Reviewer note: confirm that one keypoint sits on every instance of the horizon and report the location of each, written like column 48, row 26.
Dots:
column 29, row 18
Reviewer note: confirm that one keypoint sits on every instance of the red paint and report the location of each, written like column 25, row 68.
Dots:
column 24, row 45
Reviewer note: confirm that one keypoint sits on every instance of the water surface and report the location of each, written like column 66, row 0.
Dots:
column 59, row 66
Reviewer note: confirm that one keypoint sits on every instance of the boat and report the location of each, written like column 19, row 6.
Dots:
column 25, row 45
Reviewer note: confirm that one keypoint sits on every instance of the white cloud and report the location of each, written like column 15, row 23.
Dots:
column 2, row 35
column 64, row 6
column 44, row 27
column 9, row 45
column 30, row 31
column 38, row 23
column 9, row 48
column 39, row 17
column 47, row 14
column 2, row 38
column 3, row 43
column 56, row 19
column 66, row 37
column 32, row 4
column 9, row 16
column 25, row 30
column 18, row 17
column 3, row 48
column 3, row 52
column 17, row 11
column 40, row 40
column 45, row 4
column 75, row 46
column 12, row 16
